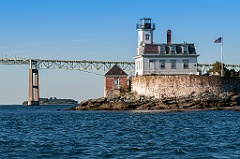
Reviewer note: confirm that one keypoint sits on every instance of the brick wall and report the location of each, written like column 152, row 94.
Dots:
column 109, row 85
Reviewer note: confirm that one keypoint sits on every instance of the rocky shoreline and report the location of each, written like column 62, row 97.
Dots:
column 136, row 102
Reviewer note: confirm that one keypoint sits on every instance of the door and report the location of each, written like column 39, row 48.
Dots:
column 152, row 66
column 116, row 83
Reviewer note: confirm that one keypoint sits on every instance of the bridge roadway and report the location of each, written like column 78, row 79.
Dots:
column 83, row 65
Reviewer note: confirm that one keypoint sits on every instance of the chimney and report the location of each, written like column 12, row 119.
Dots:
column 169, row 36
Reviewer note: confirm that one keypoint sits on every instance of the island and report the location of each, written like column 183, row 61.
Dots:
column 137, row 102
column 54, row 101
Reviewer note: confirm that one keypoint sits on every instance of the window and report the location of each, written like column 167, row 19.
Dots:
column 162, row 64
column 147, row 36
column 185, row 64
column 185, row 49
column 173, row 50
column 162, row 49
column 173, row 64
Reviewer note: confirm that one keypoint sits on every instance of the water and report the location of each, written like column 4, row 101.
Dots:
column 50, row 132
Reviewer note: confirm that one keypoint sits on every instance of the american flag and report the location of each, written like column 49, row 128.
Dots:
column 218, row 40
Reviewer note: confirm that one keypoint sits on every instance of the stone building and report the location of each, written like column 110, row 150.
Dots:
column 162, row 58
column 115, row 81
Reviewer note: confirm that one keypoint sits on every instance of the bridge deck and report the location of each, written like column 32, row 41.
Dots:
column 88, row 65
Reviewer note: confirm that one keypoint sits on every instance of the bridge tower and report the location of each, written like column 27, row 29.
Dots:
column 33, row 92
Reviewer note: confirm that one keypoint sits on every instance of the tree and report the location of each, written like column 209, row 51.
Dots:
column 217, row 68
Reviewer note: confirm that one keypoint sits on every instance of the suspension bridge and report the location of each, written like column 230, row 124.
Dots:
column 81, row 65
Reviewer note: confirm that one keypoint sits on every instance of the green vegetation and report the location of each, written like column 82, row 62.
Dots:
column 216, row 70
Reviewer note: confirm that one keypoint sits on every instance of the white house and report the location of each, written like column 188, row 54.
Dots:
column 162, row 58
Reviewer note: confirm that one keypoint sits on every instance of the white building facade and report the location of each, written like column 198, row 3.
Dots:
column 162, row 59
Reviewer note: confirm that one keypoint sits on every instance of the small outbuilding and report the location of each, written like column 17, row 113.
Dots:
column 115, row 82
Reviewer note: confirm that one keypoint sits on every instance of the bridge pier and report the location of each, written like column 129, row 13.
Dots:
column 33, row 92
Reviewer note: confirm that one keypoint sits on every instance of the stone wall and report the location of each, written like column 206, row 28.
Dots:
column 184, row 85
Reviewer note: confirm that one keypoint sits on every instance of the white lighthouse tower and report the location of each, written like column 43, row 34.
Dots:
column 145, row 33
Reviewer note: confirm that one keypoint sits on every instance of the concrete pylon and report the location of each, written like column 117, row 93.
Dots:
column 33, row 92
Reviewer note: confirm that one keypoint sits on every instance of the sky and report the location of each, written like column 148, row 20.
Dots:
column 103, row 30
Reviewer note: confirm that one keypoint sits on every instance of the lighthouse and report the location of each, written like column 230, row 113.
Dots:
column 162, row 58
column 145, row 30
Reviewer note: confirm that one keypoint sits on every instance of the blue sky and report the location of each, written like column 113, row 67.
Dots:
column 103, row 30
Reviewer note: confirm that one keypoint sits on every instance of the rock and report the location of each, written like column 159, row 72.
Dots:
column 130, row 101
column 84, row 103
column 235, row 98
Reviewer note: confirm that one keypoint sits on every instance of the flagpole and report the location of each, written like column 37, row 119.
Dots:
column 222, row 71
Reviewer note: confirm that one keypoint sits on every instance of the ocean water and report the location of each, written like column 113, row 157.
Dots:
column 50, row 132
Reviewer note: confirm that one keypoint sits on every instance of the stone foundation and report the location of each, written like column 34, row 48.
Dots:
column 184, row 85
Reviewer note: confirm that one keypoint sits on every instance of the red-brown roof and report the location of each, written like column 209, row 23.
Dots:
column 116, row 71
